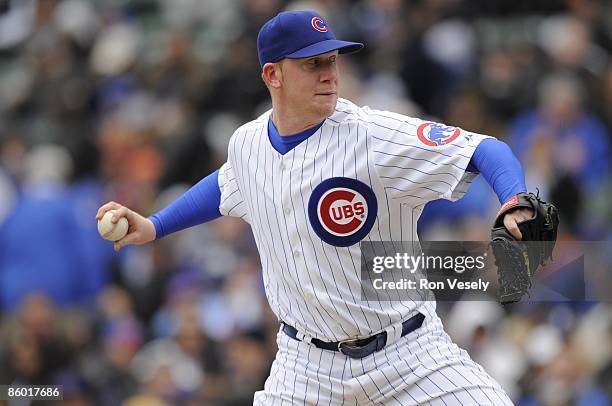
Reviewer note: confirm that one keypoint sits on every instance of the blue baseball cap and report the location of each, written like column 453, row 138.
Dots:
column 298, row 34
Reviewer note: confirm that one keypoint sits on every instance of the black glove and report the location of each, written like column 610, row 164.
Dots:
column 518, row 262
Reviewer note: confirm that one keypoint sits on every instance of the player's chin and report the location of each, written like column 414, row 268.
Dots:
column 326, row 103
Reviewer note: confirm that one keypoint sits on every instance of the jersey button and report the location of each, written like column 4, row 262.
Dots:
column 281, row 167
column 297, row 254
column 287, row 210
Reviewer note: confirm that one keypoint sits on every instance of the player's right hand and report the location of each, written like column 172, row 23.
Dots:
column 141, row 230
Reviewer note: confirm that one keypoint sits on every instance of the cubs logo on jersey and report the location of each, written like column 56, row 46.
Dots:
column 342, row 211
column 434, row 134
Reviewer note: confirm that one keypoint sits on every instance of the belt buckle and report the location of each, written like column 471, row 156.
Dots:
column 350, row 342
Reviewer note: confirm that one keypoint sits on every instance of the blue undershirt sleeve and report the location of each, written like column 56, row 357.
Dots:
column 502, row 170
column 196, row 206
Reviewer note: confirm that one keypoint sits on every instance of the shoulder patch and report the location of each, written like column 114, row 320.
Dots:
column 434, row 134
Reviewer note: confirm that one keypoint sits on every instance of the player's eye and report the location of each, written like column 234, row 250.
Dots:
column 314, row 62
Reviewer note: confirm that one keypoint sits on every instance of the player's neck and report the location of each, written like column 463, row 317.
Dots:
column 287, row 125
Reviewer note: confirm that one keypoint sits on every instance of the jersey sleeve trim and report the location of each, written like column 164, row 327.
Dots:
column 461, row 185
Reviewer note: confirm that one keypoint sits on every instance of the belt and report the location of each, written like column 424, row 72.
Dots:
column 359, row 347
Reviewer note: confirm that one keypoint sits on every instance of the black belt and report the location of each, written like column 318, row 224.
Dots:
column 359, row 347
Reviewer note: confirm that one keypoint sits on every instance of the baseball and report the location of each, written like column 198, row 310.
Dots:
column 112, row 231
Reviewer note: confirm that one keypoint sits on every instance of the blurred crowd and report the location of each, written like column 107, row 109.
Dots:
column 135, row 100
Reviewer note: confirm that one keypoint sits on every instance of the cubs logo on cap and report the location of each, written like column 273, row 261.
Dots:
column 342, row 211
column 318, row 24
column 434, row 134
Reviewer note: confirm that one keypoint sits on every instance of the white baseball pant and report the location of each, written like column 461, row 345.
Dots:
column 422, row 368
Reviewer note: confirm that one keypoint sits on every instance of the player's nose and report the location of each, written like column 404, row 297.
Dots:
column 328, row 73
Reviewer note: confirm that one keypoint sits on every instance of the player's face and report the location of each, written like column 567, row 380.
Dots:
column 310, row 85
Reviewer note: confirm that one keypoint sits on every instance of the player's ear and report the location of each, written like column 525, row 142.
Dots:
column 272, row 74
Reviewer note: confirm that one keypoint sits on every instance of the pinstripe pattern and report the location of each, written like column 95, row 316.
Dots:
column 424, row 367
column 316, row 286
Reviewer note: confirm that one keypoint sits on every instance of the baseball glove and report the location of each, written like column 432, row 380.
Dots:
column 518, row 261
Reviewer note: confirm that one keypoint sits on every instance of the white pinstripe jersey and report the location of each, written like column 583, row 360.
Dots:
column 305, row 225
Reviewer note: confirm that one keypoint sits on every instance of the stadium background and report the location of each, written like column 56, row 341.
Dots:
column 134, row 101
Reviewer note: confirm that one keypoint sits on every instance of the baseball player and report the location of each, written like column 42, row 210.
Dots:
column 314, row 177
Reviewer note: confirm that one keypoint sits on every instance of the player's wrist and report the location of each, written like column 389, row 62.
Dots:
column 155, row 227
column 510, row 204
